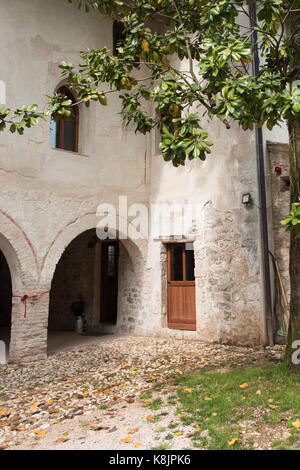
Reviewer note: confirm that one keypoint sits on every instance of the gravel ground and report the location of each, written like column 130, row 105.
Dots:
column 90, row 397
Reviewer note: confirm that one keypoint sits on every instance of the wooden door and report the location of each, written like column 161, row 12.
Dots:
column 181, row 286
column 109, row 282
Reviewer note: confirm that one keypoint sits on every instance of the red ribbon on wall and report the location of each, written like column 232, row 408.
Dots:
column 25, row 297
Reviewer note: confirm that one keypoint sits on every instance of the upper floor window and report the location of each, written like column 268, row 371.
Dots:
column 119, row 36
column 64, row 134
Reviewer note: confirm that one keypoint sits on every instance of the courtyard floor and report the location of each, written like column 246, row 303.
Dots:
column 117, row 393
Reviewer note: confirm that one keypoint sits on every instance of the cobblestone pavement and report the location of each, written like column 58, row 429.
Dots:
column 35, row 397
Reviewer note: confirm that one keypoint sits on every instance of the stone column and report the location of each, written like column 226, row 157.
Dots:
column 29, row 334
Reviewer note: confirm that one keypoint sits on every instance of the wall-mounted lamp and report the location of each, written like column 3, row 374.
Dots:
column 246, row 199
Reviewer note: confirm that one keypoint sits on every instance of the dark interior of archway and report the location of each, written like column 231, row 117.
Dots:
column 74, row 279
column 5, row 293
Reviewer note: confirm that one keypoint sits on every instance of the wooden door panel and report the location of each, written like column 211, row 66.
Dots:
column 181, row 298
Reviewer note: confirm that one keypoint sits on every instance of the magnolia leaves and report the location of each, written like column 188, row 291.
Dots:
column 187, row 140
column 17, row 120
column 293, row 219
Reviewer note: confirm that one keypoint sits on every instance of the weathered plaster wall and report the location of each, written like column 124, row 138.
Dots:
column 278, row 156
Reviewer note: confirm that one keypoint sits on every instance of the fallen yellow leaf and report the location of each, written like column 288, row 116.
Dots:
column 233, row 441
column 197, row 426
column 179, row 433
column 138, row 444
column 296, row 424
column 273, row 406
column 188, row 390
column 133, row 431
column 34, row 406
column 207, row 398
column 40, row 433
column 127, row 440
column 149, row 417
column 180, row 372
column 62, row 439
column 244, row 385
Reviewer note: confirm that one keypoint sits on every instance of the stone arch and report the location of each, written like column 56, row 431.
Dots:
column 12, row 270
column 18, row 251
column 66, row 235
column 131, row 304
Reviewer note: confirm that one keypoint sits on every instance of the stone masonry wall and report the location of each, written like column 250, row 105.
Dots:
column 278, row 156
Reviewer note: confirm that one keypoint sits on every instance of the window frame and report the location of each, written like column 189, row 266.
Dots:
column 184, row 280
column 61, row 123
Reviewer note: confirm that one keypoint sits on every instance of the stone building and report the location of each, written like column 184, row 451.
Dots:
column 206, row 285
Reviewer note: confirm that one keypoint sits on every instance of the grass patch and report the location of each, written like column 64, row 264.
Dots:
column 158, row 417
column 217, row 403
column 161, row 429
column 102, row 407
column 173, row 425
column 155, row 404
column 146, row 395
column 161, row 447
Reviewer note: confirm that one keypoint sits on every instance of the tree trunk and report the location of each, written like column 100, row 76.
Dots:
column 294, row 267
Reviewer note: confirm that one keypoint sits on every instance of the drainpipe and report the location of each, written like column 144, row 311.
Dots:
column 262, row 197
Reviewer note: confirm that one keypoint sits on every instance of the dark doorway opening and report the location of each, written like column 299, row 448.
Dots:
column 109, row 282
column 5, row 299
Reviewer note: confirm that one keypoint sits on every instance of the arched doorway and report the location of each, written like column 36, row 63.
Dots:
column 5, row 299
column 76, row 278
column 85, row 278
